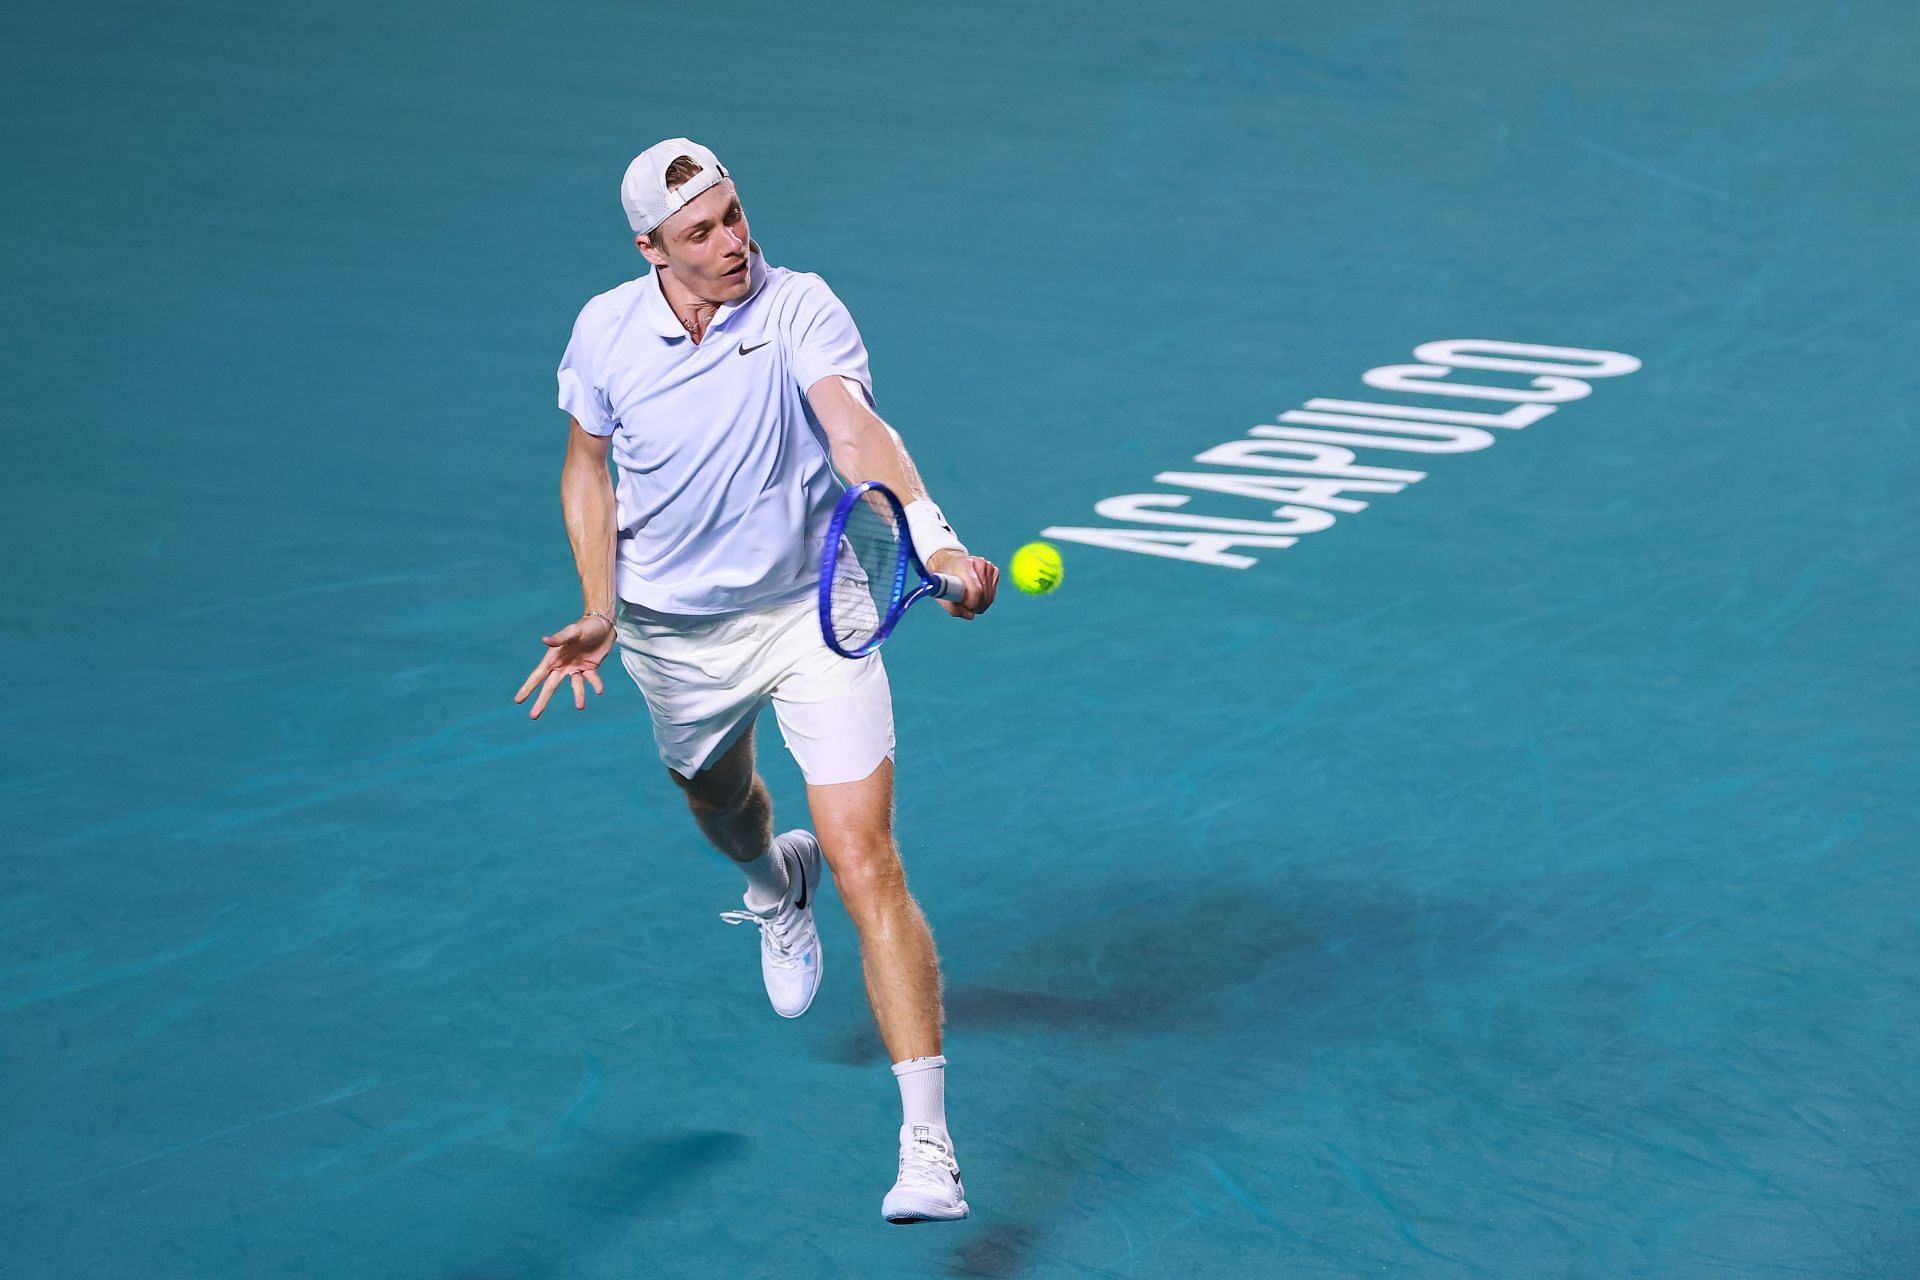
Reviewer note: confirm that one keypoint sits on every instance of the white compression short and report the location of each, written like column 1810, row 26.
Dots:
column 706, row 678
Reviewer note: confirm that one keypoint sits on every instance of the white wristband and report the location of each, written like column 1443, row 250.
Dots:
column 929, row 530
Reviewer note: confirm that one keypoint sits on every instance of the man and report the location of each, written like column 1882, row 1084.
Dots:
column 729, row 392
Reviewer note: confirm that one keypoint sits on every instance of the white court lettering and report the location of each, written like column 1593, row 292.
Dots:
column 1151, row 508
column 1467, row 353
column 1424, row 380
column 1514, row 419
column 1307, row 459
column 1305, row 467
column 1199, row 548
column 1280, row 489
column 1408, row 437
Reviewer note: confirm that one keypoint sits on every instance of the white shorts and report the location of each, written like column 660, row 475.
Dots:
column 705, row 679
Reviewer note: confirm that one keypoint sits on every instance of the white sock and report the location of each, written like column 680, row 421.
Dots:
column 766, row 882
column 923, row 1092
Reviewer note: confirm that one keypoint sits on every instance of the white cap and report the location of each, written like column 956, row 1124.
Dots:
column 643, row 192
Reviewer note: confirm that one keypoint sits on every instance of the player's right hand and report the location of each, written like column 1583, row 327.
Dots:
column 573, row 652
column 981, row 576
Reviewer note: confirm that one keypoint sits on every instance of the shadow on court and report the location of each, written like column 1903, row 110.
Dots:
column 1152, row 1023
column 597, row 1202
column 1148, row 960
column 1153, row 985
column 1001, row 1253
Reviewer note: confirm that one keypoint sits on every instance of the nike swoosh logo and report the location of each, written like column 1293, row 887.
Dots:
column 800, row 869
column 747, row 350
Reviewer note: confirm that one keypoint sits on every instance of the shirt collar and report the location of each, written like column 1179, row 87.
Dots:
column 659, row 311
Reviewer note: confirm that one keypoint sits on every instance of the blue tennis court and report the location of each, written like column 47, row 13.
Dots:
column 1515, row 877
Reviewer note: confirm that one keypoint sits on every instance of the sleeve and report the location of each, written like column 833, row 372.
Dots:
column 580, row 392
column 822, row 339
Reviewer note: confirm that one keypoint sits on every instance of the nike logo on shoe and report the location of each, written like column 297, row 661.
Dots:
column 800, row 869
column 749, row 350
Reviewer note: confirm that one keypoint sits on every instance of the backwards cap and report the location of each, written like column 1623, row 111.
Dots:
column 644, row 193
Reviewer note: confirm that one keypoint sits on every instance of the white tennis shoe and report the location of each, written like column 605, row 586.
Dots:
column 789, row 944
column 929, row 1187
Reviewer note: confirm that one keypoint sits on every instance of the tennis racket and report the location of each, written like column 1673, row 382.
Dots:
column 869, row 572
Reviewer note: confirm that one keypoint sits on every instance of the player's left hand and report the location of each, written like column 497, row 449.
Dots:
column 574, row 652
column 981, row 575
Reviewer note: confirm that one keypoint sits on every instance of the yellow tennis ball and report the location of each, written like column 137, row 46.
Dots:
column 1036, row 568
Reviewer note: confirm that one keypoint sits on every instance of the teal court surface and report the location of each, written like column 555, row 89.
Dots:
column 1515, row 878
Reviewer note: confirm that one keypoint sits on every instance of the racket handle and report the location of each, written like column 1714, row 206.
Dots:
column 948, row 587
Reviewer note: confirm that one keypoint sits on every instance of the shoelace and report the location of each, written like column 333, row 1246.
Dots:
column 782, row 932
column 925, row 1163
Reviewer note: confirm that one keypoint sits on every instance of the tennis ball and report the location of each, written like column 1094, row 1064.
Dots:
column 1036, row 568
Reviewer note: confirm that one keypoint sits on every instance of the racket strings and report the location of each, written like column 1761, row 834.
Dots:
column 869, row 575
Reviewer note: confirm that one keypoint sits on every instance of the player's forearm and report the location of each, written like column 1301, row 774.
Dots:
column 586, row 498
column 874, row 451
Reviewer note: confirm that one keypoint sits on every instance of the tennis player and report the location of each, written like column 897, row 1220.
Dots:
column 729, row 393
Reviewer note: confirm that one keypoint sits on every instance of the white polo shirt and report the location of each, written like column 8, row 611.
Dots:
column 725, row 483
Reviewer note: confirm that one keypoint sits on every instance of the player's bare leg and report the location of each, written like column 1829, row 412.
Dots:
column 854, row 821
column 730, row 802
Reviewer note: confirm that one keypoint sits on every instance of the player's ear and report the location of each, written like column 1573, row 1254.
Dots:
column 644, row 243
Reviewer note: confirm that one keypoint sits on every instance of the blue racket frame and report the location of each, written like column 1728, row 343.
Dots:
column 899, row 597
